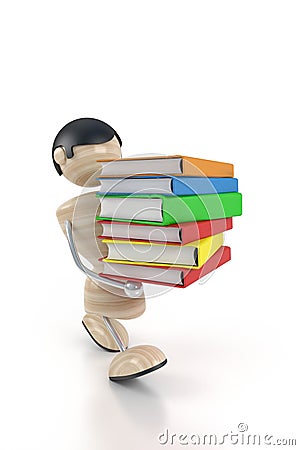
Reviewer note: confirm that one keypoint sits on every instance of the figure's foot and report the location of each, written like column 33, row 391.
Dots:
column 96, row 328
column 135, row 362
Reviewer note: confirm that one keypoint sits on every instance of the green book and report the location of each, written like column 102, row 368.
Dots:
column 167, row 210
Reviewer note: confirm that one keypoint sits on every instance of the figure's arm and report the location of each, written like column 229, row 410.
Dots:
column 81, row 211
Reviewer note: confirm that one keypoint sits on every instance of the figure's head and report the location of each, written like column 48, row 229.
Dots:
column 79, row 145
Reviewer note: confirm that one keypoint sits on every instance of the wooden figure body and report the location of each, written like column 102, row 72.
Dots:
column 76, row 149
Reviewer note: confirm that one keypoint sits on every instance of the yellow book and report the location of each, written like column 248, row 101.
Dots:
column 192, row 255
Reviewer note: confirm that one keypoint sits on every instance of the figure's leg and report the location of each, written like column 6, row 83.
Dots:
column 95, row 302
column 96, row 328
column 129, row 363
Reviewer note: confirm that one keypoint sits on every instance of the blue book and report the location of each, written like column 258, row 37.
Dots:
column 167, row 185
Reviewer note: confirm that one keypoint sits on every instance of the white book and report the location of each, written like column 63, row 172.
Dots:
column 154, row 274
column 136, row 185
column 141, row 232
column 159, row 165
column 155, row 253
column 132, row 208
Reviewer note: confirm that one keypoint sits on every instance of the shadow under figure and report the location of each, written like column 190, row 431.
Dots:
column 75, row 152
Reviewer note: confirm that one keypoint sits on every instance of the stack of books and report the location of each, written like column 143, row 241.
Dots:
column 163, row 218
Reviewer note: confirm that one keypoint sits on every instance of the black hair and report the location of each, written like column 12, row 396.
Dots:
column 84, row 131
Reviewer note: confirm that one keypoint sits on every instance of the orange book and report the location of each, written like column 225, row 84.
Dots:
column 175, row 165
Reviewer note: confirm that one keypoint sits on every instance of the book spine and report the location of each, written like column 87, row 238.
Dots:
column 202, row 167
column 203, row 185
column 198, row 208
column 222, row 256
column 193, row 231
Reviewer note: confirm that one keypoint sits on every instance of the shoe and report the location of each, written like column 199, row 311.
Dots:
column 136, row 362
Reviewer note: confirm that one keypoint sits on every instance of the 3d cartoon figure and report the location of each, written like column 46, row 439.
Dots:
column 76, row 149
column 165, row 226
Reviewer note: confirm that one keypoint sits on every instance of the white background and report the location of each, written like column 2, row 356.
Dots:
column 214, row 79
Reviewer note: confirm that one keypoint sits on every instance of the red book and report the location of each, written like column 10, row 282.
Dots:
column 166, row 275
column 181, row 233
